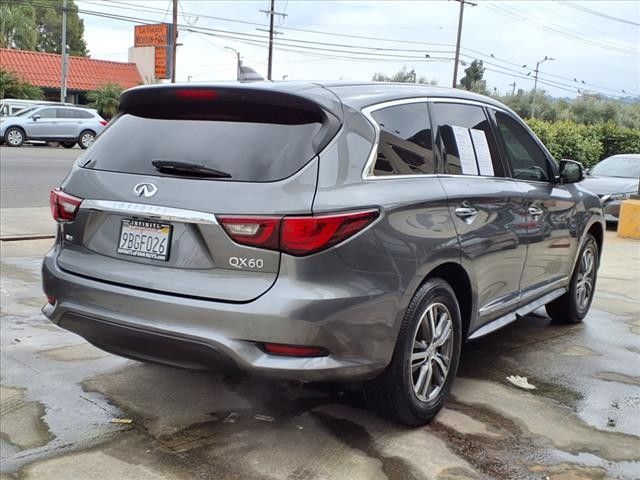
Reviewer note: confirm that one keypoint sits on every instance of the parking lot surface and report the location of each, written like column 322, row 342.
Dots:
column 70, row 411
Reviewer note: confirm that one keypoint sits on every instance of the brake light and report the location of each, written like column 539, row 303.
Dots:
column 294, row 350
column 63, row 206
column 297, row 235
column 196, row 94
column 307, row 235
column 103, row 123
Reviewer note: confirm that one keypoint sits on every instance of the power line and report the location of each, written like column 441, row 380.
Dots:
column 306, row 48
column 596, row 13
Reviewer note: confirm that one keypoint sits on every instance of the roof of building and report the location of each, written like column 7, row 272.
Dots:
column 84, row 73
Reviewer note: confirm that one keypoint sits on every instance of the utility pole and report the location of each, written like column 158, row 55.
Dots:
column 271, row 12
column 535, row 84
column 174, row 43
column 457, row 59
column 63, row 51
column 513, row 89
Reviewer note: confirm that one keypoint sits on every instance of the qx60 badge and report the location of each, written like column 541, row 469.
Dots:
column 145, row 190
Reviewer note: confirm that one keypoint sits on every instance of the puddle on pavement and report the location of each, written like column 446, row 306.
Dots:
column 22, row 423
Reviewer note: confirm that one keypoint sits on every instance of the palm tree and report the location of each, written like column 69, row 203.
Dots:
column 18, row 26
column 106, row 99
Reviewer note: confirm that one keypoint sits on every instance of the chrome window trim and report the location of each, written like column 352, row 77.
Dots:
column 367, row 171
column 158, row 212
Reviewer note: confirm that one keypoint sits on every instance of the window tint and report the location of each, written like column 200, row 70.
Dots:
column 82, row 114
column 47, row 113
column 405, row 140
column 466, row 140
column 66, row 113
column 260, row 151
column 528, row 160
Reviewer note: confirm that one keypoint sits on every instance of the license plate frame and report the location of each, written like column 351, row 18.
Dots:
column 144, row 248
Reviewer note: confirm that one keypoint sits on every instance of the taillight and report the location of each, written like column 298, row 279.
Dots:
column 297, row 235
column 307, row 235
column 63, row 206
column 103, row 123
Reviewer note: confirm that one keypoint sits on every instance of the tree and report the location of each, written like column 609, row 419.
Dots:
column 473, row 78
column 12, row 87
column 17, row 26
column 106, row 99
column 48, row 16
column 403, row 76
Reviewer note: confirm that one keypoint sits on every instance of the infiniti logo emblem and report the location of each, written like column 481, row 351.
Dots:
column 145, row 189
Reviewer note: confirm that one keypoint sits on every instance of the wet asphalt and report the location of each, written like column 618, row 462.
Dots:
column 59, row 397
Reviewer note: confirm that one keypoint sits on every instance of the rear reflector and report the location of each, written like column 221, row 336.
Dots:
column 63, row 206
column 294, row 350
column 103, row 123
column 297, row 236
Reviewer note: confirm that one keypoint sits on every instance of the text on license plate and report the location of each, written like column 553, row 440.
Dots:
column 139, row 238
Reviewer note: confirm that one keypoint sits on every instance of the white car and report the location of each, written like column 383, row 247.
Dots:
column 65, row 124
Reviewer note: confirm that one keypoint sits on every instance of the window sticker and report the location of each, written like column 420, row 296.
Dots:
column 483, row 155
column 465, row 150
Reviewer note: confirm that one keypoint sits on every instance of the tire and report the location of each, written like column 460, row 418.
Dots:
column 14, row 137
column 68, row 144
column 412, row 390
column 86, row 139
column 574, row 305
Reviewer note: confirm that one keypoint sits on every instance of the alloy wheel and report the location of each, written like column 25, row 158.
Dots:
column 14, row 137
column 586, row 276
column 87, row 139
column 432, row 349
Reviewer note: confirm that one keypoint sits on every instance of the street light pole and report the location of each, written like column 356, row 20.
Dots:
column 238, row 62
column 535, row 85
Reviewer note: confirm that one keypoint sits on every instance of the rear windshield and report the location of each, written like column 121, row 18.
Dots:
column 260, row 150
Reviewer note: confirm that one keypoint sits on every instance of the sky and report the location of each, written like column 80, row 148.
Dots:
column 595, row 45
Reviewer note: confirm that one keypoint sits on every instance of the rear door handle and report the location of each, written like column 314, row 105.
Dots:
column 535, row 211
column 466, row 213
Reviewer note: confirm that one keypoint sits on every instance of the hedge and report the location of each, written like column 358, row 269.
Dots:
column 587, row 144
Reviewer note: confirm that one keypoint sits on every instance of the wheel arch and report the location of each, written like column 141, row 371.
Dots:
column 458, row 278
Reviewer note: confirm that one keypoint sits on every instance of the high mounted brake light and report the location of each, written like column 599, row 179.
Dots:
column 63, row 206
column 297, row 235
column 196, row 94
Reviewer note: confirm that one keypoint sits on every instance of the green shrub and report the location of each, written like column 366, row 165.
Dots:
column 587, row 144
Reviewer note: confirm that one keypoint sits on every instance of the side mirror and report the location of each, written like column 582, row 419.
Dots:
column 571, row 171
column 36, row 117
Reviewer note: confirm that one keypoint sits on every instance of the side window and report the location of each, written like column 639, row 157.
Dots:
column 83, row 114
column 528, row 160
column 405, row 140
column 47, row 113
column 65, row 113
column 466, row 140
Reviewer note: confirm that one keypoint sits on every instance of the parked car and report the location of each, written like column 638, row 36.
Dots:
column 318, row 232
column 11, row 106
column 66, row 124
column 614, row 179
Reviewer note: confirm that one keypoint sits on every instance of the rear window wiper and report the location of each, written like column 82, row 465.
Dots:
column 186, row 168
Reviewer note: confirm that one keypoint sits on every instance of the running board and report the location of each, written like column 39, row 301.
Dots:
column 513, row 316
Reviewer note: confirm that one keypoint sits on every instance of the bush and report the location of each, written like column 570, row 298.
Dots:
column 587, row 144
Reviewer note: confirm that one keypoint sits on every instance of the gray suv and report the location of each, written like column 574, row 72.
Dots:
column 318, row 232
column 66, row 124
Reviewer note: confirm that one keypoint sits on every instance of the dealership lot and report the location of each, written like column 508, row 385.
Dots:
column 60, row 397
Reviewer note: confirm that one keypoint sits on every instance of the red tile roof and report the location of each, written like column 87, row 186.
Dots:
column 43, row 70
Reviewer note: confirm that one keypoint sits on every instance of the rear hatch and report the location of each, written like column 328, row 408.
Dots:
column 176, row 159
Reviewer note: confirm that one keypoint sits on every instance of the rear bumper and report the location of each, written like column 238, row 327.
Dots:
column 359, row 331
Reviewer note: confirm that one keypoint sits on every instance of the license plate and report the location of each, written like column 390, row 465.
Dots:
column 139, row 238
